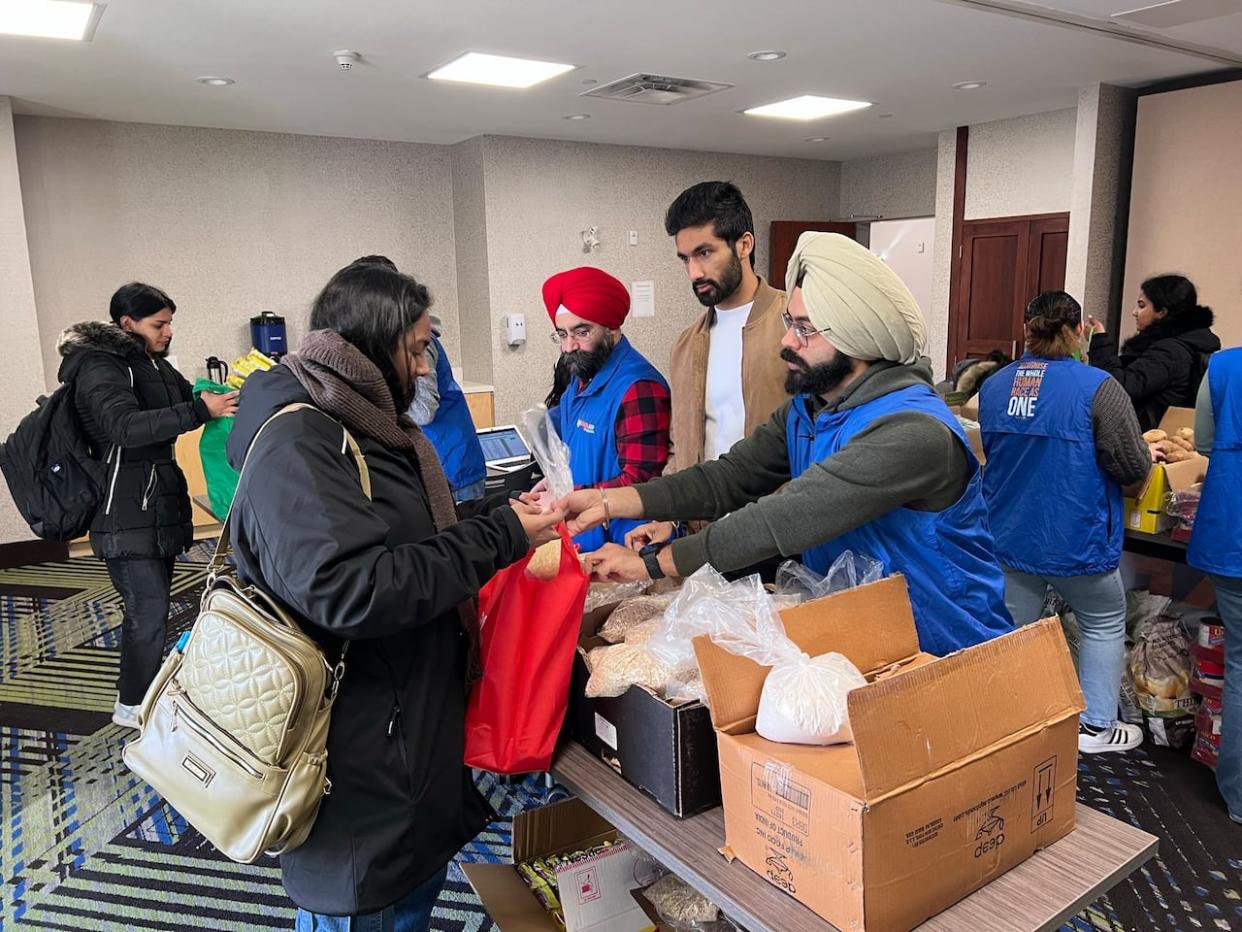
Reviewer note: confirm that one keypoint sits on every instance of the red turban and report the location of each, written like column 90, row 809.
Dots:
column 589, row 293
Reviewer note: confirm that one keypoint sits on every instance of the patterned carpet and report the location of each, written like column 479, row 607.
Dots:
column 85, row 845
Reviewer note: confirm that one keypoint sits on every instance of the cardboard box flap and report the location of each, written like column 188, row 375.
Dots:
column 1177, row 476
column 508, row 901
column 954, row 709
column 872, row 625
column 1176, row 418
column 563, row 826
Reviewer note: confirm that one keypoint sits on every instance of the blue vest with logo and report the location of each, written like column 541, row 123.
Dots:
column 956, row 586
column 1216, row 541
column 452, row 430
column 1053, row 510
column 587, row 417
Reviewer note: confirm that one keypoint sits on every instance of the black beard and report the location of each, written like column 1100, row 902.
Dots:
column 720, row 290
column 585, row 364
column 816, row 380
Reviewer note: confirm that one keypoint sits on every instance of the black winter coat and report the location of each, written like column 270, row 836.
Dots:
column 1159, row 367
column 376, row 573
column 134, row 425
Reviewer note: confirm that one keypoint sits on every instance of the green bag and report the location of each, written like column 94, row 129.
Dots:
column 212, row 449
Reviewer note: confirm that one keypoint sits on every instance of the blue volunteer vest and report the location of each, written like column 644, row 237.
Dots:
column 1053, row 510
column 1216, row 541
column 956, row 586
column 587, row 417
column 452, row 430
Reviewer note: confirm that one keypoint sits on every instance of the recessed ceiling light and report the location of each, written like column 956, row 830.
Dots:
column 766, row 55
column 816, row 138
column 807, row 107
column 498, row 70
column 969, row 85
column 578, row 116
column 50, row 19
column 214, row 81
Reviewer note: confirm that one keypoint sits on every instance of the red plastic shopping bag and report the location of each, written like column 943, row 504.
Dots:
column 527, row 638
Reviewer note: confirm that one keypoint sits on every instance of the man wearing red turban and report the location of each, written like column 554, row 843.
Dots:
column 614, row 414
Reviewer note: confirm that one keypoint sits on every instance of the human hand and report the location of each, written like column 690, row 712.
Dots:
column 220, row 405
column 614, row 563
column 540, row 526
column 1159, row 452
column 657, row 532
column 1094, row 326
column 584, row 510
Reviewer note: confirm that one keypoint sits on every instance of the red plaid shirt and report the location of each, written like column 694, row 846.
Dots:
column 642, row 434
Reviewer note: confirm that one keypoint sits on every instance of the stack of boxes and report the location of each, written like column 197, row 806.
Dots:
column 1206, row 679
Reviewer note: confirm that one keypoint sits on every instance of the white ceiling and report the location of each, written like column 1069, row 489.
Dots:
column 903, row 55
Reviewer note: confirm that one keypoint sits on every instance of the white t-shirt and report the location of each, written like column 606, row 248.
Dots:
column 722, row 402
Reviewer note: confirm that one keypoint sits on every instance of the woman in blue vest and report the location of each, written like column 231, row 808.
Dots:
column 615, row 411
column 1216, row 546
column 1062, row 441
column 440, row 409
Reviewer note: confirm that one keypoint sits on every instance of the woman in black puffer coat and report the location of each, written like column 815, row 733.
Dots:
column 1161, row 365
column 133, row 405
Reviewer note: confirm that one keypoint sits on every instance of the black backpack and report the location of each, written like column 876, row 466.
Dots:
column 56, row 482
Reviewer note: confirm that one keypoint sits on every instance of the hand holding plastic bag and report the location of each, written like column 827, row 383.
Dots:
column 550, row 452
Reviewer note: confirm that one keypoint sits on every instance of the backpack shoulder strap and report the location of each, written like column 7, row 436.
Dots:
column 218, row 563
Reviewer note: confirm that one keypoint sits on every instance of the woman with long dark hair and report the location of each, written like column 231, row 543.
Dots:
column 1161, row 366
column 133, row 405
column 395, row 576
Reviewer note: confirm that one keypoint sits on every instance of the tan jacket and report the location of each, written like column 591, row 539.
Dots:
column 763, row 375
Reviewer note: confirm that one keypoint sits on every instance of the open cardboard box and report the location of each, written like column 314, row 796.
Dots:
column 570, row 825
column 1146, row 511
column 961, row 767
column 665, row 749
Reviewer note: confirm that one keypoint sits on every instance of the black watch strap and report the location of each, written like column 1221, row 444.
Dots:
column 651, row 559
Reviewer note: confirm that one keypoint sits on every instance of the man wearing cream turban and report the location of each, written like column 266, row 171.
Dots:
column 866, row 456
column 614, row 414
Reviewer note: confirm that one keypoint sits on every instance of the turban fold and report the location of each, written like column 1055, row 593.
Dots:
column 851, row 292
column 589, row 293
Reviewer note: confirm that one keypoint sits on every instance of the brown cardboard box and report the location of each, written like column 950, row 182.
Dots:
column 962, row 766
column 565, row 826
column 1146, row 511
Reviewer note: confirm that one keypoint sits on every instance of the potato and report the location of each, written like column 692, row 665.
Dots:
column 1155, row 436
column 1177, row 443
column 1186, row 433
column 1178, row 455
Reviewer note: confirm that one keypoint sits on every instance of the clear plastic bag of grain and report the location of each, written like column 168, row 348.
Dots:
column 633, row 612
column 617, row 667
column 680, row 905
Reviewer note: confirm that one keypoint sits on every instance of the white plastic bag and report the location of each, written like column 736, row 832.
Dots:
column 848, row 571
column 803, row 699
column 549, row 450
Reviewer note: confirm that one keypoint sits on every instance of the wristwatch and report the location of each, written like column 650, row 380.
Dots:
column 651, row 558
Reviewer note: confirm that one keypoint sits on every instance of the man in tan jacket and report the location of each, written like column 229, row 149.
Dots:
column 727, row 376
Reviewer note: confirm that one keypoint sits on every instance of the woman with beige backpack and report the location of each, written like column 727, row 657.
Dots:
column 394, row 576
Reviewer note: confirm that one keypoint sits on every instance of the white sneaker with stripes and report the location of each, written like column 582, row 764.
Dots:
column 125, row 715
column 1120, row 737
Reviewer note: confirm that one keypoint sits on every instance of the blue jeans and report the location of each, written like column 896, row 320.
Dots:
column 412, row 913
column 1099, row 604
column 1229, row 767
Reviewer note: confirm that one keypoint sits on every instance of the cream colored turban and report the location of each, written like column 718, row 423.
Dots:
column 851, row 292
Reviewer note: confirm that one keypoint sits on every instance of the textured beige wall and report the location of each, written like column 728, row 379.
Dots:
column 890, row 186
column 470, row 235
column 21, row 375
column 1186, row 198
column 1021, row 166
column 542, row 194
column 229, row 223
column 1105, row 124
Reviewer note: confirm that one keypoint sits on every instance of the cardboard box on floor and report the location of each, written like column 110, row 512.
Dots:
column 961, row 767
column 562, row 827
column 1146, row 511
column 666, row 749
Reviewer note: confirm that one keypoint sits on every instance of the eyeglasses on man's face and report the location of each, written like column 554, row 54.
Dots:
column 803, row 331
column 579, row 334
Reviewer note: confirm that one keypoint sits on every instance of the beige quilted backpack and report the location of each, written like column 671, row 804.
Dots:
column 234, row 729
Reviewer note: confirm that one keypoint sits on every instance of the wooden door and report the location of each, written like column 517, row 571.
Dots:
column 784, row 238
column 1003, row 264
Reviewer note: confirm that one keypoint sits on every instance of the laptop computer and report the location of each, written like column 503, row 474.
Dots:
column 503, row 448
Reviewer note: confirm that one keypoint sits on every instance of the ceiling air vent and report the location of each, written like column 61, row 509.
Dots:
column 655, row 89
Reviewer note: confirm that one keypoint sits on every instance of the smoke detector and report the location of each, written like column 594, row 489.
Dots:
column 346, row 58
column 661, row 90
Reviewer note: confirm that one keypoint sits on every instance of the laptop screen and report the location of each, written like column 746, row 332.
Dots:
column 502, row 443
